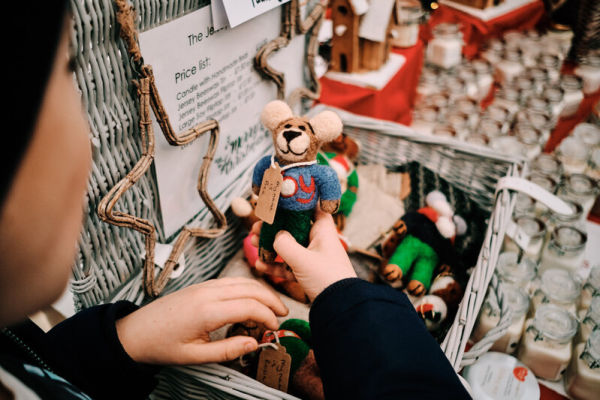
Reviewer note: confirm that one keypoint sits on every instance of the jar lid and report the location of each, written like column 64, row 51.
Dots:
column 538, row 104
column 518, row 300
column 490, row 127
column 550, row 61
column 554, row 94
column 508, row 93
column 587, row 133
column 512, row 271
column 524, row 83
column 501, row 376
column 524, row 204
column 572, row 147
column 547, row 164
column 527, row 134
column 539, row 120
column 555, row 323
column 532, row 226
column 543, row 180
column 446, row 29
column 568, row 238
column 571, row 82
column 580, row 184
column 558, row 285
column 538, row 74
column 497, row 112
column 577, row 211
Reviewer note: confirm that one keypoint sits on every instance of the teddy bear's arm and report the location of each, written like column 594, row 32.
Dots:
column 259, row 171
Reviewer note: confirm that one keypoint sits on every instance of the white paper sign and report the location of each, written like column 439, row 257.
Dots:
column 202, row 73
column 240, row 11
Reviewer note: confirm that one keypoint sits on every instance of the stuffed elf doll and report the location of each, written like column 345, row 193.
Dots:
column 424, row 241
column 305, row 185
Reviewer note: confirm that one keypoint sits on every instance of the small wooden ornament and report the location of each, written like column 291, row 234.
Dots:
column 268, row 197
column 274, row 367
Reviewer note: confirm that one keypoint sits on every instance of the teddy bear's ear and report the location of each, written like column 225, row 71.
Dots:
column 327, row 126
column 275, row 112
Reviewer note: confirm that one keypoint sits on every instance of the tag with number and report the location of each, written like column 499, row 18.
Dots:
column 274, row 367
column 268, row 197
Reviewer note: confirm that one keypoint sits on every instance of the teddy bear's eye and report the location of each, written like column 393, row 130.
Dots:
column 288, row 126
column 302, row 127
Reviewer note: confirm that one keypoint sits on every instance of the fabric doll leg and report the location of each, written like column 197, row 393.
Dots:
column 424, row 266
column 298, row 224
column 268, row 232
column 406, row 253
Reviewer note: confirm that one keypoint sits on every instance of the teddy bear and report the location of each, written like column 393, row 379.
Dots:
column 305, row 184
column 420, row 242
column 340, row 155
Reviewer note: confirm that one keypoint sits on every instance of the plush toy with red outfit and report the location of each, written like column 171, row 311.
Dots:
column 423, row 240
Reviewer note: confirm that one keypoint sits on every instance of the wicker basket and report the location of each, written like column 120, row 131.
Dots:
column 108, row 267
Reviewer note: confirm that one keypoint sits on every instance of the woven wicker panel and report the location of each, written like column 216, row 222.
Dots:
column 109, row 259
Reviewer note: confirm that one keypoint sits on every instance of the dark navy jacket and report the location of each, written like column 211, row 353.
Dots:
column 368, row 340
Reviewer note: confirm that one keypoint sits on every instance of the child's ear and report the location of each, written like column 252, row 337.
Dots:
column 275, row 112
column 327, row 126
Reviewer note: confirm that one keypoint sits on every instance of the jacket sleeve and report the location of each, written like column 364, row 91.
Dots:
column 370, row 344
column 86, row 351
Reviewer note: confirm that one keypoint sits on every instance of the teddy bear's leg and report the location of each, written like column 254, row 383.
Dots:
column 298, row 224
column 266, row 252
column 423, row 271
column 402, row 260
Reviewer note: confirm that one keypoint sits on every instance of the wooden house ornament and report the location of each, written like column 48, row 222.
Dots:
column 362, row 31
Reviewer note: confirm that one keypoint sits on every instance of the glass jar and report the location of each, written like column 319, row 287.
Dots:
column 484, row 73
column 467, row 75
column 583, row 374
column 524, row 205
column 506, row 144
column 559, row 38
column 460, row 124
column 489, row 316
column 409, row 17
column 581, row 189
column 590, row 320
column 591, row 289
column 539, row 76
column 546, row 344
column 469, row 107
column 573, row 154
column 493, row 51
column 588, row 134
column 444, row 131
column 530, row 139
column 552, row 64
column 539, row 120
column 445, row 49
column 456, row 87
column 500, row 113
column 490, row 127
column 510, row 67
column 516, row 273
column 524, row 85
column 555, row 95
column 558, row 287
column 564, row 249
column 425, row 119
column 508, row 98
column 554, row 219
column 439, row 100
column 547, row 164
column 428, row 85
column 589, row 72
column 572, row 86
column 533, row 227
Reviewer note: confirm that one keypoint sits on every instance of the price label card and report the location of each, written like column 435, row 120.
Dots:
column 204, row 72
column 240, row 11
column 274, row 367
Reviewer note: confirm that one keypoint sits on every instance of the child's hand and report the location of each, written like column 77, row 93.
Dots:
column 324, row 261
column 175, row 329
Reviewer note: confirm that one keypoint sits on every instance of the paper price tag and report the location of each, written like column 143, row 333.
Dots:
column 268, row 197
column 517, row 235
column 274, row 367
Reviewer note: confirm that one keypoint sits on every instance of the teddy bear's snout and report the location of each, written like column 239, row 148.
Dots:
column 290, row 135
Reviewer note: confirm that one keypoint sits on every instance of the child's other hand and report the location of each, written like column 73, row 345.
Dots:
column 315, row 267
column 175, row 329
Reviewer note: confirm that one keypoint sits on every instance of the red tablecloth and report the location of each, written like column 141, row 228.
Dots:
column 393, row 103
column 476, row 32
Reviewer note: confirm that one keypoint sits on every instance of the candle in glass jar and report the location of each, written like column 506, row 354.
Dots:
column 590, row 320
column 573, row 96
column 547, row 164
column 445, row 49
column 564, row 249
column 590, row 289
column 515, row 272
column 581, row 189
column 589, row 72
column 546, row 344
column 558, row 287
column 573, row 154
column 533, row 227
column 582, row 379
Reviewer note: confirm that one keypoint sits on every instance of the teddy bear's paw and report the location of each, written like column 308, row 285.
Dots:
column 330, row 206
column 416, row 288
column 267, row 256
column 391, row 272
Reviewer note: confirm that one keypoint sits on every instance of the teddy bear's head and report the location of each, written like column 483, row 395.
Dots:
column 298, row 139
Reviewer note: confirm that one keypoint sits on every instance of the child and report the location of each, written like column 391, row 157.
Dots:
column 368, row 340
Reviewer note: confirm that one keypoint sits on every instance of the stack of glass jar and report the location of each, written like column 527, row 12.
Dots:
column 531, row 97
column 555, row 327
